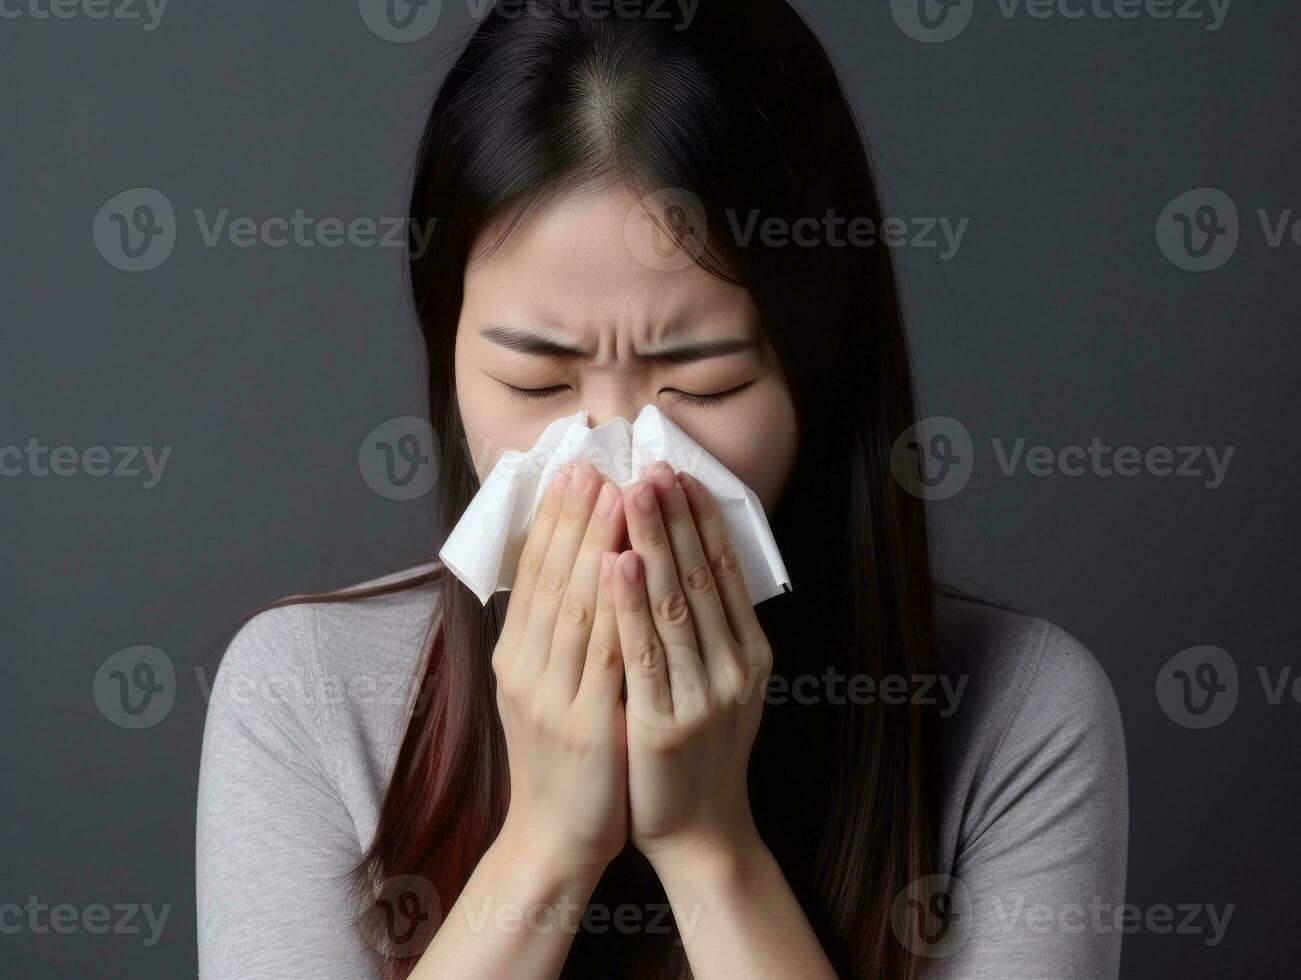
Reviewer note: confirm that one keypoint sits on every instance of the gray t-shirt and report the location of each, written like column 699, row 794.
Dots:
column 310, row 705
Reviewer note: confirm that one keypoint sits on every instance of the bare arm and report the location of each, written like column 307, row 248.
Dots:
column 738, row 917
column 515, row 920
column 558, row 692
column 694, row 653
column 274, row 839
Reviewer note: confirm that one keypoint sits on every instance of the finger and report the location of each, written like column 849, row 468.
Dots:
column 557, row 568
column 716, row 644
column 529, row 565
column 650, row 700
column 570, row 641
column 668, row 603
column 602, row 680
column 728, row 577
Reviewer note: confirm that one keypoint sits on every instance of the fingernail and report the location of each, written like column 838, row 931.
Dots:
column 685, row 479
column 631, row 566
column 605, row 503
column 662, row 474
column 645, row 498
column 561, row 482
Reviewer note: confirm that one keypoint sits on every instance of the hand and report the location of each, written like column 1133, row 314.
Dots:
column 696, row 662
column 559, row 681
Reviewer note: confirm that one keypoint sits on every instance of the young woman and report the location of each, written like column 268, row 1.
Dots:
column 620, row 767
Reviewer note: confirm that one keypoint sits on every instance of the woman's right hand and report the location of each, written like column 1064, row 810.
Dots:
column 559, row 675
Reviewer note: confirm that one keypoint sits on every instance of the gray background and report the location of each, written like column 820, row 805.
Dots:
column 1060, row 319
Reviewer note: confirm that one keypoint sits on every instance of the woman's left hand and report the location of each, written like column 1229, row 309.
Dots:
column 696, row 663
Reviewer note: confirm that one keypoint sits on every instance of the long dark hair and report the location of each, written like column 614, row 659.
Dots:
column 740, row 107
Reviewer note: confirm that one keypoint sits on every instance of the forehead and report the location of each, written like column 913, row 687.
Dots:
column 595, row 260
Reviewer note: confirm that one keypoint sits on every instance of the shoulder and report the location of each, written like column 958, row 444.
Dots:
column 1033, row 806
column 1037, row 715
column 335, row 637
column 326, row 671
column 305, row 711
column 1021, row 672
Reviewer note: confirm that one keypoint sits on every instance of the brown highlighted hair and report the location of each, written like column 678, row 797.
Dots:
column 740, row 106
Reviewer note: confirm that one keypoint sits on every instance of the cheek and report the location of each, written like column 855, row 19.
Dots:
column 485, row 427
column 478, row 442
column 493, row 422
column 756, row 442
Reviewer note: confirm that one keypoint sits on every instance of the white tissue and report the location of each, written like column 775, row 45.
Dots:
column 484, row 547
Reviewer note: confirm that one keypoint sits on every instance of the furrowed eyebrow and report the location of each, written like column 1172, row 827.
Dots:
column 549, row 343
column 687, row 353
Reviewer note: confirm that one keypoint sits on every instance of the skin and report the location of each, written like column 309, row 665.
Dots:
column 637, row 590
column 577, row 274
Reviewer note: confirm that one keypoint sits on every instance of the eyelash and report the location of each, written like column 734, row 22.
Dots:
column 712, row 400
column 532, row 394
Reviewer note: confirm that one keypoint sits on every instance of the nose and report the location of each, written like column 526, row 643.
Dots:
column 600, row 413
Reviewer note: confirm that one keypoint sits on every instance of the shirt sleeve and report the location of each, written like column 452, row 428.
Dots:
column 1041, row 870
column 274, row 842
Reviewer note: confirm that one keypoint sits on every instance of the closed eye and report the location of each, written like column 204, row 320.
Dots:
column 533, row 394
column 710, row 400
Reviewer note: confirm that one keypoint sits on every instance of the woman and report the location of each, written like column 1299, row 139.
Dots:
column 621, row 768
